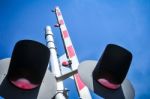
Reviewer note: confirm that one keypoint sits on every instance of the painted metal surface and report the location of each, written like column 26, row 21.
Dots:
column 71, row 55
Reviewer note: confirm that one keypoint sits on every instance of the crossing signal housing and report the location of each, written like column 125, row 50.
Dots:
column 107, row 76
column 25, row 75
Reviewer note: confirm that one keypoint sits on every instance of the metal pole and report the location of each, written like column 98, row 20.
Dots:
column 55, row 68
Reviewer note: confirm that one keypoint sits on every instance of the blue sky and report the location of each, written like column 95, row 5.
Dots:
column 92, row 25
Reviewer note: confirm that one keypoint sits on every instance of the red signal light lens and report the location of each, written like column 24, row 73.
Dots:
column 108, row 84
column 23, row 83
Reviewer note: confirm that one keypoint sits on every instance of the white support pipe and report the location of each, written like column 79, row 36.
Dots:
column 54, row 62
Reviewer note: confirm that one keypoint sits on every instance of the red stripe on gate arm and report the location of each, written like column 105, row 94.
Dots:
column 61, row 22
column 71, row 51
column 58, row 13
column 79, row 82
column 65, row 34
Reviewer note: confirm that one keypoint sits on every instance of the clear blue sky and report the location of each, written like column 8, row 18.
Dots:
column 92, row 25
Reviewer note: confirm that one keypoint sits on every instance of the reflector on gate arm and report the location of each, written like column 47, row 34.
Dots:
column 106, row 77
column 28, row 76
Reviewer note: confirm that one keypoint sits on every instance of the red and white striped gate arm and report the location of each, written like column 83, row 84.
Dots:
column 71, row 54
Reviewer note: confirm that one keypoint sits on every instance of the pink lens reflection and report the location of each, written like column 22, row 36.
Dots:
column 23, row 83
column 107, row 84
